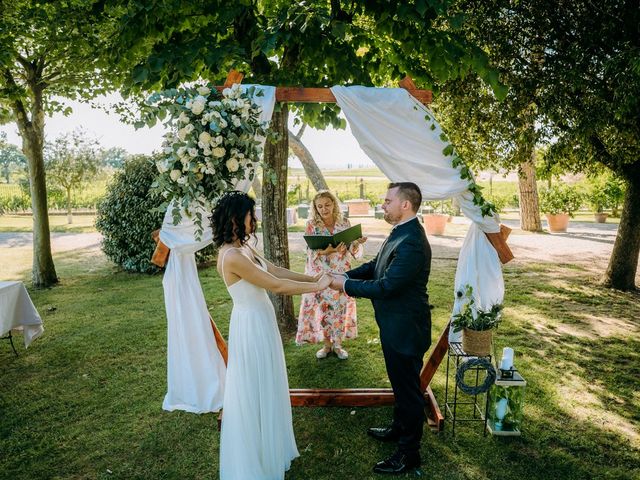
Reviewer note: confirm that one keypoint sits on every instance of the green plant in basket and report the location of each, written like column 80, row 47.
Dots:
column 474, row 318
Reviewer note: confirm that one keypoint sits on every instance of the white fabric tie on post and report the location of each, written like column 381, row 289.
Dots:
column 195, row 367
column 391, row 128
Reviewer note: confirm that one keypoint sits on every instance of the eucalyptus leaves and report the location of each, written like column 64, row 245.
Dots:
column 472, row 317
column 212, row 144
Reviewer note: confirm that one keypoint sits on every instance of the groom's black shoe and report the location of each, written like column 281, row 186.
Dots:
column 384, row 434
column 399, row 462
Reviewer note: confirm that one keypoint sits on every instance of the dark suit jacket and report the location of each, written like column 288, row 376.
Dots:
column 396, row 283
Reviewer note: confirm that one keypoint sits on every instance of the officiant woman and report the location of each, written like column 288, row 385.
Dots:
column 328, row 316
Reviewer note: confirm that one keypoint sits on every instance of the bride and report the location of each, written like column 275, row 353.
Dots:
column 257, row 440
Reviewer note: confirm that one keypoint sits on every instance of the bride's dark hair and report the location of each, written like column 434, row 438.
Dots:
column 227, row 219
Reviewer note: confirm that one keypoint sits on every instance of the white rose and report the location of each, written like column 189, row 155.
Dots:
column 204, row 137
column 183, row 118
column 223, row 123
column 182, row 180
column 226, row 92
column 182, row 134
column 206, row 150
column 162, row 166
column 181, row 151
column 204, row 91
column 168, row 150
column 197, row 107
column 218, row 139
column 219, row 152
column 233, row 165
column 236, row 121
column 189, row 128
column 193, row 152
column 175, row 175
column 215, row 103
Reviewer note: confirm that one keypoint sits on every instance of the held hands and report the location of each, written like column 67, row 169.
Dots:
column 337, row 282
column 324, row 282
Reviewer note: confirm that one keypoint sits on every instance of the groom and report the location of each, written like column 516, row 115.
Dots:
column 396, row 282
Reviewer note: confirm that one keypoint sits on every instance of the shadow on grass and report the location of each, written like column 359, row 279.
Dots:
column 86, row 397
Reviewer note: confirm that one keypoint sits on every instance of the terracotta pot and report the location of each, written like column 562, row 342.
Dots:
column 558, row 223
column 477, row 343
column 601, row 217
column 435, row 223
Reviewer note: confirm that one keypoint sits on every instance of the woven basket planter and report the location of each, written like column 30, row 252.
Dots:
column 476, row 342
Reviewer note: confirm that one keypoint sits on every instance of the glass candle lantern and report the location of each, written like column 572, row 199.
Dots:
column 506, row 401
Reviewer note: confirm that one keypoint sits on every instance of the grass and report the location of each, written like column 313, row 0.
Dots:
column 84, row 401
column 57, row 223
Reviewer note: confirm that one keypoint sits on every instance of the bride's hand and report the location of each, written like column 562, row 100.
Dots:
column 324, row 282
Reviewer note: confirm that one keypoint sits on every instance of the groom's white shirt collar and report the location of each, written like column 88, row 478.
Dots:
column 406, row 221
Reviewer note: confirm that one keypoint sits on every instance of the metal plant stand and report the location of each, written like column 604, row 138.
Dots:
column 478, row 403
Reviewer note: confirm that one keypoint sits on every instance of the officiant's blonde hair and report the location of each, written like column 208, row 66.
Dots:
column 337, row 215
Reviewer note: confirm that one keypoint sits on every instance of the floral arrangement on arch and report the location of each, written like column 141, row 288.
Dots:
column 213, row 142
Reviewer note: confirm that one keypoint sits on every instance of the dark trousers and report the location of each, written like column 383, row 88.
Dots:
column 408, row 411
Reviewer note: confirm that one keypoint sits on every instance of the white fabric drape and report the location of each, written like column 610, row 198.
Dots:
column 195, row 367
column 390, row 126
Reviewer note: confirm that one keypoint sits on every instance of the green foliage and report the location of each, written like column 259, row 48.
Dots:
column 560, row 198
column 11, row 158
column 475, row 318
column 127, row 216
column 71, row 161
column 313, row 43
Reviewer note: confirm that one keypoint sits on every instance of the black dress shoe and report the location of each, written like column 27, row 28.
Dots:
column 384, row 434
column 399, row 462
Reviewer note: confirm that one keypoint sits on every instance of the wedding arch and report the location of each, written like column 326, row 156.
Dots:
column 396, row 129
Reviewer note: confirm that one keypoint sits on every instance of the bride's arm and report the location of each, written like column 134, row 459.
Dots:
column 284, row 273
column 242, row 267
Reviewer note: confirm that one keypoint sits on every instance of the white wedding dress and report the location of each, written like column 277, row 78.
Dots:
column 257, row 440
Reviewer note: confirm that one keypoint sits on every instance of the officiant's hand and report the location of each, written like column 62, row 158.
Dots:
column 340, row 248
column 361, row 240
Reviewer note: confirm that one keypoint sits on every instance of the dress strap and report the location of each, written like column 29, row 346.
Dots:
column 224, row 255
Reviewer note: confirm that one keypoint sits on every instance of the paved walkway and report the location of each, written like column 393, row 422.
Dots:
column 584, row 243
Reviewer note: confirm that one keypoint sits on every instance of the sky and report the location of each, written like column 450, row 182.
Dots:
column 330, row 148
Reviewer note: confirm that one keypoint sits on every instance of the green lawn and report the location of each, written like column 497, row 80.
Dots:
column 84, row 401
column 57, row 223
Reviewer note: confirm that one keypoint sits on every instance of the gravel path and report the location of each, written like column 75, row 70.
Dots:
column 583, row 243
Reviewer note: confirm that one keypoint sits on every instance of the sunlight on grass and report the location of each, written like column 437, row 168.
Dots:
column 86, row 397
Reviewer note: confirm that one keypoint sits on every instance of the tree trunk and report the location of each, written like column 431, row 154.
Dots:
column 528, row 191
column 69, row 217
column 308, row 163
column 623, row 263
column 32, row 133
column 274, row 211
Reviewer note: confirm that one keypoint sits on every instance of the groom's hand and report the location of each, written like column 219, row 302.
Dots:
column 338, row 282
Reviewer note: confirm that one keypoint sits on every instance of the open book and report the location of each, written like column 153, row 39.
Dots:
column 320, row 242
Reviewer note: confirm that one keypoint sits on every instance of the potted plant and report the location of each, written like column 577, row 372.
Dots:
column 476, row 324
column 435, row 222
column 598, row 200
column 559, row 202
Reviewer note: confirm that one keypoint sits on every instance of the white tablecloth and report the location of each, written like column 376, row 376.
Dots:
column 18, row 313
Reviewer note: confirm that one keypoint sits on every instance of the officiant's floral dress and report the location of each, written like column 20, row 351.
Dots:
column 328, row 314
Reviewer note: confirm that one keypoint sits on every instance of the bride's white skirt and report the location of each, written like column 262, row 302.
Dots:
column 257, row 440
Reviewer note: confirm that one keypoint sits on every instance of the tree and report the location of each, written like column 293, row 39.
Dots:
column 47, row 50
column 11, row 158
column 501, row 133
column 306, row 159
column 314, row 44
column 71, row 161
column 592, row 93
column 113, row 157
